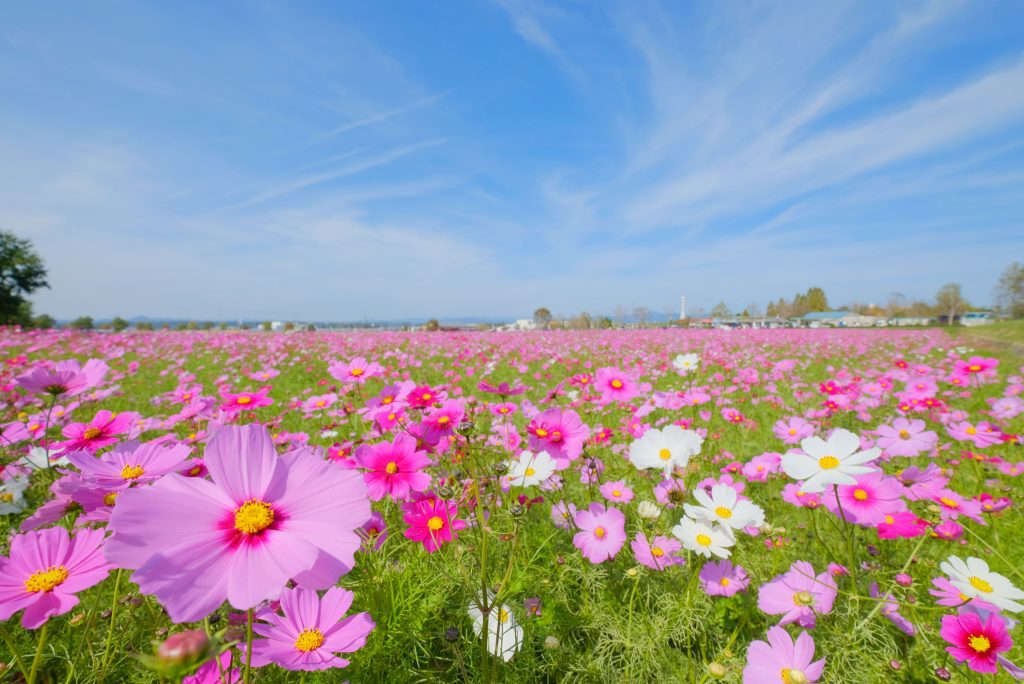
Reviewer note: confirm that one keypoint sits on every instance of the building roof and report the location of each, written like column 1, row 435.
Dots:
column 826, row 315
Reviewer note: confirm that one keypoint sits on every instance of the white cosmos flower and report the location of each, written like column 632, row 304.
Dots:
column 648, row 509
column 973, row 578
column 685, row 363
column 530, row 469
column 12, row 494
column 832, row 462
column 36, row 458
column 665, row 449
column 724, row 507
column 702, row 538
column 504, row 635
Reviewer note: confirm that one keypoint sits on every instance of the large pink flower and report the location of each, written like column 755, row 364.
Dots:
column 99, row 432
column 264, row 519
column 780, row 659
column 615, row 385
column 905, row 437
column 559, row 432
column 393, row 469
column 65, row 378
column 45, row 571
column 870, row 501
column 798, row 595
column 130, row 463
column 602, row 532
column 975, row 642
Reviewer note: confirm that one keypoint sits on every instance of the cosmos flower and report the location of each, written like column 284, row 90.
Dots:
column 868, row 501
column 905, row 437
column 530, row 469
column 99, row 432
column 613, row 384
column 393, row 468
column 356, row 371
column 310, row 631
column 560, row 433
column 264, row 519
column 703, row 539
column 722, row 578
column 781, row 660
column 976, row 642
column 974, row 579
column 617, row 491
column 432, row 522
column 130, row 463
column 64, row 378
column 504, row 635
column 44, row 571
column 684, row 363
column 798, row 595
column 725, row 507
column 602, row 532
column 829, row 462
column 665, row 449
column 657, row 554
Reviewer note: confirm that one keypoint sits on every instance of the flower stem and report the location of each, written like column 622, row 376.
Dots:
column 110, row 628
column 14, row 651
column 248, row 645
column 849, row 537
column 39, row 653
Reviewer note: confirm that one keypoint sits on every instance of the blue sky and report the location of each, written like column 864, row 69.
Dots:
column 417, row 159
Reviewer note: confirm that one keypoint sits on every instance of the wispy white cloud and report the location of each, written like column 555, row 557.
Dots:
column 525, row 16
column 384, row 115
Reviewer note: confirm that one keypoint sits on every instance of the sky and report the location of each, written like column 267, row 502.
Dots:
column 385, row 160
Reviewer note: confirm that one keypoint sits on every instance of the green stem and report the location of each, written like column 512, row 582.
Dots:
column 878, row 606
column 849, row 537
column 1011, row 566
column 39, row 653
column 14, row 651
column 248, row 645
column 110, row 629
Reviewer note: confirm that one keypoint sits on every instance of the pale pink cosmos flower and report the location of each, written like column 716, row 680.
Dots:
column 722, row 578
column 905, row 437
column 781, row 660
column 613, row 384
column 657, row 554
column 602, row 532
column 130, row 463
column 798, row 595
column 64, row 378
column 868, row 502
column 357, row 371
column 982, row 435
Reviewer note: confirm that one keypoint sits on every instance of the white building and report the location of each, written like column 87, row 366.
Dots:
column 682, row 307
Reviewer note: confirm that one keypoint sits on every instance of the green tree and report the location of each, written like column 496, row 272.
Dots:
column 1010, row 291
column 542, row 316
column 83, row 323
column 720, row 310
column 21, row 273
column 950, row 301
column 44, row 322
column 432, row 324
column 604, row 323
column 265, row 326
column 118, row 324
column 144, row 325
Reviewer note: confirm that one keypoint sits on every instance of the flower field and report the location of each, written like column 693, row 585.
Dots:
column 752, row 506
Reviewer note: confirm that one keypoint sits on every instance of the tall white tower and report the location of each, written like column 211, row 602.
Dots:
column 682, row 307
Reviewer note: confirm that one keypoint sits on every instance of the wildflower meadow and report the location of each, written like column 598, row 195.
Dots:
column 664, row 505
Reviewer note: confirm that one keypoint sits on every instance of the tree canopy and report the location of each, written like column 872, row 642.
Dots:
column 21, row 273
column 1010, row 290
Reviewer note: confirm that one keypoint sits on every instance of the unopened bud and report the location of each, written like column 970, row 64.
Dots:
column 717, row 670
column 552, row 642
column 188, row 646
column 648, row 509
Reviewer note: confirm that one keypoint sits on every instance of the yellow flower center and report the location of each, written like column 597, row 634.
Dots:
column 443, row 420
column 46, row 580
column 974, row 368
column 802, row 598
column 321, row 403
column 131, row 472
column 904, row 434
column 541, row 432
column 657, row 552
column 617, row 384
column 309, row 640
column 723, row 512
column 703, row 540
column 244, row 400
column 792, row 432
column 35, row 426
column 860, row 495
column 889, row 520
column 426, row 396
column 502, row 615
column 980, row 585
column 599, row 532
column 391, row 468
column 664, row 454
column 253, row 516
column 435, row 523
column 971, row 430
column 91, row 433
column 791, row 676
column 828, row 462
column 949, row 502
column 616, row 493
column 356, row 372
column 7, row 497
column 530, row 472
column 979, row 643
column 725, row 581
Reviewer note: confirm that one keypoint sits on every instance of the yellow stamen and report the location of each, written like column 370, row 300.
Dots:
column 391, row 468
column 599, row 532
column 46, row 580
column 802, row 598
column 723, row 512
column 131, row 472
column 617, row 384
column 828, row 462
column 980, row 585
column 979, row 643
column 541, row 432
column 860, row 495
column 703, row 540
column 657, row 552
column 91, row 433
column 664, row 454
column 356, row 372
column 904, row 434
column 253, row 516
column 435, row 523
column 725, row 581
column 309, row 640
column 244, row 400
column 530, row 472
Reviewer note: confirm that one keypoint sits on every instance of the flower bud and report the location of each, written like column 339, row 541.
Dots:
column 717, row 670
column 552, row 642
column 183, row 647
column 648, row 510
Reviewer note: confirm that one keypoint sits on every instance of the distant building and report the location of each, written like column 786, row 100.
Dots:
column 682, row 307
column 973, row 318
column 838, row 319
column 902, row 321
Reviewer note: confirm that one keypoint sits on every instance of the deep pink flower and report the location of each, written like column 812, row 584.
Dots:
column 99, row 432
column 45, row 570
column 975, row 642
column 798, row 595
column 65, row 378
column 657, row 554
column 780, row 658
column 246, row 401
column 903, row 525
column 264, row 519
column 615, row 385
column 311, row 631
column 722, row 578
column 441, row 422
column 875, row 496
column 394, row 469
column 358, row 370
column 559, row 432
column 602, row 532
column 210, row 671
column 432, row 521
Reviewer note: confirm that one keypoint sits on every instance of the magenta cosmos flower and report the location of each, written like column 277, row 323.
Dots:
column 394, row 469
column 130, row 463
column 975, row 642
column 311, row 631
column 602, row 532
column 99, row 432
column 722, row 578
column 246, row 401
column 264, row 519
column 870, row 501
column 65, row 378
column 358, row 370
column 615, row 385
column 46, row 569
column 560, row 433
column 432, row 521
column 798, row 595
column 780, row 659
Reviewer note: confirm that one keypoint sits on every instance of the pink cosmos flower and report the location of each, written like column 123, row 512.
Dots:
column 130, row 463
column 432, row 521
column 357, row 371
column 246, row 401
column 952, row 506
column 975, row 642
column 982, row 435
column 905, row 437
column 210, row 672
column 617, row 490
column 99, row 432
column 375, row 531
column 319, row 403
column 442, row 421
column 722, row 578
column 394, row 469
column 311, row 631
column 614, row 385
column 264, row 519
column 890, row 609
column 975, row 365
column 423, row 396
column 657, row 555
column 903, row 525
column 946, row 594
column 559, row 432
column 780, row 659
column 65, row 378
column 46, row 569
column 870, row 500
column 602, row 532
column 562, row 514
column 264, row 375
column 798, row 595
column 793, row 429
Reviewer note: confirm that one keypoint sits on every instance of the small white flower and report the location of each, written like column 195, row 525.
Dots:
column 685, row 363
column 648, row 510
column 724, row 507
column 832, row 462
column 974, row 579
column 329, row 433
column 530, row 469
column 12, row 494
column 702, row 538
column 36, row 458
column 504, row 635
column 665, row 449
